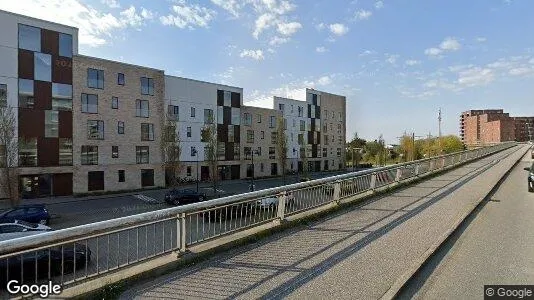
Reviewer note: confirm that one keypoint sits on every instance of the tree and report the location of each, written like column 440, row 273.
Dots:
column 171, row 150
column 8, row 153
column 354, row 148
column 303, row 158
column 281, row 146
column 209, row 136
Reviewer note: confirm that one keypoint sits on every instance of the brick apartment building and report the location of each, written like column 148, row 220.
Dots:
column 488, row 126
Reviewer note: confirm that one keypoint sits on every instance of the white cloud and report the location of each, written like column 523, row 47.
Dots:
column 278, row 41
column 324, row 80
column 520, row 71
column 476, row 76
column 232, row 6
column 288, row 29
column 433, row 51
column 321, row 49
column 392, row 59
column 111, row 3
column 320, row 26
column 338, row 29
column 132, row 18
column 450, row 44
column 95, row 27
column 481, row 39
column 379, row 4
column 254, row 54
column 188, row 16
column 366, row 52
column 363, row 14
column 412, row 62
column 263, row 22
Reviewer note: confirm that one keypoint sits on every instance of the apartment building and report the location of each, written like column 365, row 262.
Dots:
column 193, row 105
column 258, row 142
column 469, row 134
column 117, row 125
column 36, row 81
column 524, row 128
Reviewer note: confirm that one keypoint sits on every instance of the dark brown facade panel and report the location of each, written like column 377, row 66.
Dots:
column 220, row 98
column 31, row 123
column 61, row 69
column 49, row 42
column 236, row 100
column 222, row 133
column 95, row 181
column 48, row 154
column 227, row 115
column 26, row 64
column 65, row 124
column 62, row 184
column 43, row 95
column 229, row 148
column 237, row 134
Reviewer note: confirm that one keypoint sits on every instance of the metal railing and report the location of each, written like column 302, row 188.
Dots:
column 73, row 255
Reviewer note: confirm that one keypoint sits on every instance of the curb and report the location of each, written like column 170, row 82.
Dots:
column 402, row 281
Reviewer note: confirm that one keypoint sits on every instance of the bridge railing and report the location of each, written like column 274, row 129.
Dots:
column 73, row 255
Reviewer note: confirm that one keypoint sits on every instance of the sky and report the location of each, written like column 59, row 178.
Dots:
column 397, row 61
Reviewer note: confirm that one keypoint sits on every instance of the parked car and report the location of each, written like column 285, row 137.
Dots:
column 35, row 213
column 72, row 256
column 271, row 202
column 530, row 178
column 22, row 226
column 185, row 196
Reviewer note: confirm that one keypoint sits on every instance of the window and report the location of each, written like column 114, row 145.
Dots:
column 26, row 99
column 292, row 136
column 333, row 115
column 192, row 112
column 272, row 121
column 147, row 132
column 29, row 38
column 61, row 96
column 325, row 127
column 221, row 151
column 332, row 138
column 42, row 67
column 250, row 136
column 147, row 86
column 339, row 117
column 90, row 103
column 325, row 152
column 272, row 152
column 173, row 112
column 95, row 130
column 274, row 137
column 220, row 114
column 142, row 154
column 141, row 108
column 338, row 128
column 120, row 127
column 28, row 152
column 227, row 98
column 114, row 151
column 204, row 135
column 326, row 139
column 147, row 177
column 65, row 45
column 189, row 170
column 248, row 152
column 3, row 95
column 65, row 152
column 340, row 139
column 294, row 123
column 120, row 79
column 208, row 116
column 95, row 78
column 122, row 177
column 188, row 132
column 114, row 102
column 236, row 151
column 231, row 133
column 281, row 107
column 247, row 119
column 259, row 151
column 326, row 114
column 262, row 134
column 236, row 116
column 301, row 139
column 89, row 155
column 51, row 123
column 302, row 125
column 338, row 152
column 301, row 111
column 258, row 117
column 193, row 151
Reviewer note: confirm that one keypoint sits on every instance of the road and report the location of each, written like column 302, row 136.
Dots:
column 355, row 254
column 496, row 247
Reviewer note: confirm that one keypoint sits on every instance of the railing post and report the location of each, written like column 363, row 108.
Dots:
column 183, row 234
column 281, row 206
column 416, row 173
column 443, row 162
column 373, row 182
column 431, row 165
column 398, row 175
column 337, row 192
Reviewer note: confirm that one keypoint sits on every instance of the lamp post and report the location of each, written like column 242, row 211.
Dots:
column 194, row 152
column 295, row 154
column 252, row 152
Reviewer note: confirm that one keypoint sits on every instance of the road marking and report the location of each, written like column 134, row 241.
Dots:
column 146, row 198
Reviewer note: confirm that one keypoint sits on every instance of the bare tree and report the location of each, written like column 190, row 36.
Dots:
column 8, row 153
column 281, row 146
column 209, row 136
column 304, row 159
column 171, row 150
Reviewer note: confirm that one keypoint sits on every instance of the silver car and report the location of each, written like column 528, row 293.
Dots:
column 271, row 202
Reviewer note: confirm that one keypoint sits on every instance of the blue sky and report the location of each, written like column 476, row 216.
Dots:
column 397, row 61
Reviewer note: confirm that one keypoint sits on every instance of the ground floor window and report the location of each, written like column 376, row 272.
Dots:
column 95, row 181
column 122, row 176
column 147, row 177
column 274, row 169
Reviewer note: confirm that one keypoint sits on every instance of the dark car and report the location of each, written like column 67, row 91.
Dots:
column 36, row 213
column 28, row 265
column 530, row 180
column 185, row 196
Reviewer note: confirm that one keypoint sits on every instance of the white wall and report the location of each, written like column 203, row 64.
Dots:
column 290, row 116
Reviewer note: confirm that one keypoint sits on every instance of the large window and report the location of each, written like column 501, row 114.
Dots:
column 301, row 111
column 262, row 134
column 120, row 127
column 208, row 116
column 250, row 136
column 122, row 177
column 3, row 94
column 258, row 117
column 141, row 108
column 114, row 102
column 173, row 112
column 147, row 86
column 51, row 123
column 26, row 99
column 29, row 38
column 237, row 153
column 147, row 132
column 65, row 45
column 142, row 154
column 89, row 155
column 95, row 130
column 114, row 151
column 247, row 119
column 189, row 132
column 302, row 125
column 281, row 107
column 65, row 152
column 274, row 137
column 42, row 67
column 90, row 103
column 61, row 96
column 231, row 133
column 227, row 98
column 236, row 116
column 95, row 78
column 120, row 79
column 272, row 121
column 272, row 152
column 221, row 151
column 28, row 152
column 220, row 114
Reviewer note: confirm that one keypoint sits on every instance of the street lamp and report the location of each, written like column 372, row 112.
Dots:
column 251, row 152
column 194, row 152
column 295, row 154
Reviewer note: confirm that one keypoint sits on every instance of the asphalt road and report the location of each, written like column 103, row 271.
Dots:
column 496, row 247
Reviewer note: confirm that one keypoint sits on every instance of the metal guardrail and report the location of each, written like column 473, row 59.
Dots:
column 72, row 255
